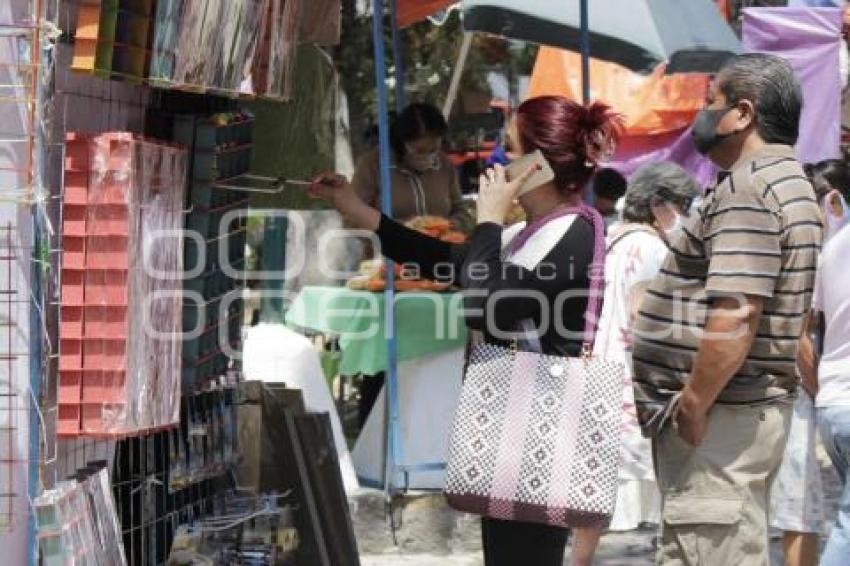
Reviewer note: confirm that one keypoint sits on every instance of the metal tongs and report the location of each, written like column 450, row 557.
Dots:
column 259, row 184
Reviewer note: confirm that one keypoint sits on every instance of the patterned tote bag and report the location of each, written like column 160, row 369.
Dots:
column 536, row 438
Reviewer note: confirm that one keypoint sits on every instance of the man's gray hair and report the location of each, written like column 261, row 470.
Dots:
column 658, row 182
column 769, row 83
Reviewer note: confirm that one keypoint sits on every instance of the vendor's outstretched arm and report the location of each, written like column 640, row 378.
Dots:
column 434, row 258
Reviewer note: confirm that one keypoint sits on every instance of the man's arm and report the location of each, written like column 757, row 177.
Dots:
column 807, row 355
column 730, row 330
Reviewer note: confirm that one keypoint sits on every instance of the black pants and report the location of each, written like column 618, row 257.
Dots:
column 511, row 543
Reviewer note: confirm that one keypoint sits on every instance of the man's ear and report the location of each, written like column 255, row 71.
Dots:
column 746, row 115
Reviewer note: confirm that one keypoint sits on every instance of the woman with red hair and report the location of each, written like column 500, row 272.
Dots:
column 533, row 273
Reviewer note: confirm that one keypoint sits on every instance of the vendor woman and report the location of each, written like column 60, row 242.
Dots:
column 424, row 181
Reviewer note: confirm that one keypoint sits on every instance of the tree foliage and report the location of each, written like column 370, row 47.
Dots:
column 430, row 55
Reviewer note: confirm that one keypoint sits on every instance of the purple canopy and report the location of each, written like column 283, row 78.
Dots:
column 810, row 39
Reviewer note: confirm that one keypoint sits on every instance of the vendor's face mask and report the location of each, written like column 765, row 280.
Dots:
column 421, row 161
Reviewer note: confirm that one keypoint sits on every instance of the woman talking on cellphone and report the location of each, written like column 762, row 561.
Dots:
column 535, row 271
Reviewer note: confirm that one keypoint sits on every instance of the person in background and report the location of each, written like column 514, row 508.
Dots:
column 609, row 186
column 827, row 367
column 657, row 196
column 797, row 498
column 716, row 337
column 424, row 181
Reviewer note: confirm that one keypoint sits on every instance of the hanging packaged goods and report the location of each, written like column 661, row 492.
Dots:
column 232, row 47
column 120, row 345
column 77, row 522
column 221, row 146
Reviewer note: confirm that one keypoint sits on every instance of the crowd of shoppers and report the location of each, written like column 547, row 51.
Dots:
column 729, row 313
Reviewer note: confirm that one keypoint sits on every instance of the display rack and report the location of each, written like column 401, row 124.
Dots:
column 14, row 314
column 220, row 146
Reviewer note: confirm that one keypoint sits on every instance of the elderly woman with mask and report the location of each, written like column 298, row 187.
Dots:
column 658, row 196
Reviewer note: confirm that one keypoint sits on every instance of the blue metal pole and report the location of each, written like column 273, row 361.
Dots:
column 585, row 52
column 36, row 372
column 393, row 447
column 398, row 59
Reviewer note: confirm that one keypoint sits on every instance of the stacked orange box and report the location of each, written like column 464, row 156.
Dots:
column 113, row 38
column 121, row 301
column 77, row 168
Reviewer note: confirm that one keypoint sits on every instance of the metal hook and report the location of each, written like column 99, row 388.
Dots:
column 279, row 184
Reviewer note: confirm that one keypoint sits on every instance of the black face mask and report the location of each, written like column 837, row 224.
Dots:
column 704, row 131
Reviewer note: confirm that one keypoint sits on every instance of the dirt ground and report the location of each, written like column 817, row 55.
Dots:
column 431, row 534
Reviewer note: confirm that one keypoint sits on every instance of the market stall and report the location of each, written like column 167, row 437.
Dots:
column 430, row 335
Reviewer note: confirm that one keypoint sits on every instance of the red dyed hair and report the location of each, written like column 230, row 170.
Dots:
column 574, row 138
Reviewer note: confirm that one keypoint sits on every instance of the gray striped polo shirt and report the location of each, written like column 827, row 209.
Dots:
column 758, row 233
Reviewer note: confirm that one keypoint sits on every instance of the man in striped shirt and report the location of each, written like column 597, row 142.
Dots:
column 716, row 337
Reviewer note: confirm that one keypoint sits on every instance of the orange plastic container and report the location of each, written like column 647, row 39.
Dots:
column 68, row 419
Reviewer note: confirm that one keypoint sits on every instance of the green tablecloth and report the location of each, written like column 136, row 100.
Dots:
column 426, row 323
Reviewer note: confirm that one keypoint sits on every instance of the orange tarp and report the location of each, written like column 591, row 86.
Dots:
column 652, row 104
column 411, row 11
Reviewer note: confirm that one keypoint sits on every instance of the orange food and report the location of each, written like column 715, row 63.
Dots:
column 376, row 285
column 431, row 225
column 453, row 237
column 437, row 286
column 403, row 285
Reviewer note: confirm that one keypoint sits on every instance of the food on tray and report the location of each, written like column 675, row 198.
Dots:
column 359, row 283
column 453, row 237
column 430, row 224
column 401, row 285
column 373, row 272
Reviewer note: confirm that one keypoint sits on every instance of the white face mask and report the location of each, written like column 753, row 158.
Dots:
column 669, row 218
column 421, row 162
column 834, row 223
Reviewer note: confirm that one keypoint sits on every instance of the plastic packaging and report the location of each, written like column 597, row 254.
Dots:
column 78, row 525
column 121, row 350
column 227, row 46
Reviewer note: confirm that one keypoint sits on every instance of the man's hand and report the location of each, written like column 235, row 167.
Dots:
column 807, row 357
column 729, row 332
column 691, row 420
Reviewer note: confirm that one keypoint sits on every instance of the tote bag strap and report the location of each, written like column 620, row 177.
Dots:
column 596, row 270
column 596, row 275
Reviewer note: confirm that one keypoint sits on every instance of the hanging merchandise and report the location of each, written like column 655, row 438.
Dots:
column 120, row 345
column 236, row 47
column 221, row 146
column 204, row 445
column 215, row 45
column 232, row 47
column 249, row 530
column 77, row 522
column 274, row 68
column 112, row 38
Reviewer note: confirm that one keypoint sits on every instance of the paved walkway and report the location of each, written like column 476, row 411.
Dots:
column 433, row 535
